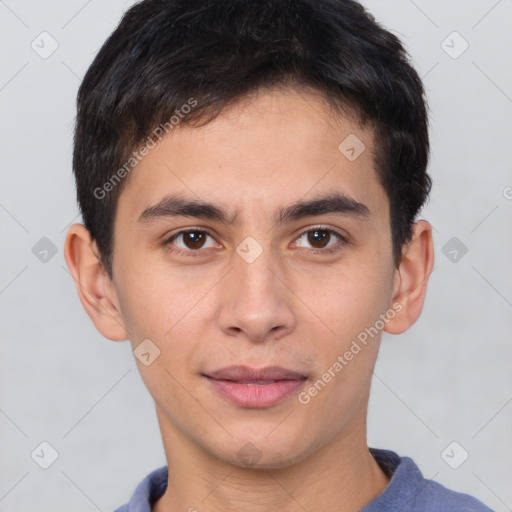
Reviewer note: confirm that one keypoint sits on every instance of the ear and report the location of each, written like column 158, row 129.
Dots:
column 411, row 278
column 95, row 289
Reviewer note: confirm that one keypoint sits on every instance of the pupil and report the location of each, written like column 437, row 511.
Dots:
column 318, row 236
column 194, row 239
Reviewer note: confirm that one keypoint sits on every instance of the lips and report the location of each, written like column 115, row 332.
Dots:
column 247, row 375
column 250, row 388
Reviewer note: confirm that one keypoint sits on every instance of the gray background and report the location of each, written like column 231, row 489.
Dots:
column 447, row 379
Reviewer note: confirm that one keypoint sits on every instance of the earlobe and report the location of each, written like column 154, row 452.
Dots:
column 95, row 290
column 411, row 278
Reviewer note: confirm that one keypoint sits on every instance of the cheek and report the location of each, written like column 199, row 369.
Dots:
column 162, row 310
column 142, row 305
column 171, row 307
column 349, row 303
column 346, row 297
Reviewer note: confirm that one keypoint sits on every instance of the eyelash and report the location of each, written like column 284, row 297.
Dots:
column 197, row 252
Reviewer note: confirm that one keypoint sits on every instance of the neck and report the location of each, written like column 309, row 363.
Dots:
column 341, row 476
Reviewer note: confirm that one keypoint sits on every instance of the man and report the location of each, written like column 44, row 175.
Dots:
column 249, row 175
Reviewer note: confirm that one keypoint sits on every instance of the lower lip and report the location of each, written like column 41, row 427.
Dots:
column 256, row 395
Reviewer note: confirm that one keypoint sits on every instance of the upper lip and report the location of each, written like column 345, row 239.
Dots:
column 245, row 373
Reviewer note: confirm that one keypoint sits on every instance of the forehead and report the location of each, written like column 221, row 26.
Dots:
column 272, row 148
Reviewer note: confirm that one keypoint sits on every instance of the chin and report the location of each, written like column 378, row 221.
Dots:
column 259, row 453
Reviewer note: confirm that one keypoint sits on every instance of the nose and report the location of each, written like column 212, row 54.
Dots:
column 256, row 303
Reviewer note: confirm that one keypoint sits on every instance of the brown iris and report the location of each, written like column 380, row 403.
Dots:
column 194, row 239
column 319, row 236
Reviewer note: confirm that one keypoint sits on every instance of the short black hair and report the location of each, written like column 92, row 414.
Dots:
column 208, row 54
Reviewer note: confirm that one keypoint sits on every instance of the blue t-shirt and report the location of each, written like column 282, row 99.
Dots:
column 407, row 491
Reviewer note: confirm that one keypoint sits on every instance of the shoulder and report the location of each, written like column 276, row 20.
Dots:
column 409, row 491
column 123, row 508
column 149, row 490
column 434, row 497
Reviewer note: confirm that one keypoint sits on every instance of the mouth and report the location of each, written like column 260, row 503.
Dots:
column 253, row 388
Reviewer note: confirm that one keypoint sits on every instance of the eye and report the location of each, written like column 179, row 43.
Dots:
column 320, row 239
column 189, row 241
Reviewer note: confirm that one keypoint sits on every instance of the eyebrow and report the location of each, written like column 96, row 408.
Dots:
column 179, row 206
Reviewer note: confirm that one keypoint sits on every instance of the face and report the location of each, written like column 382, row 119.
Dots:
column 284, row 259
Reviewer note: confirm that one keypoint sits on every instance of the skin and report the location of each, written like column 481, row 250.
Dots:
column 291, row 307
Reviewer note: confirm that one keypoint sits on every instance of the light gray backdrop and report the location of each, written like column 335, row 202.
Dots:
column 447, row 380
